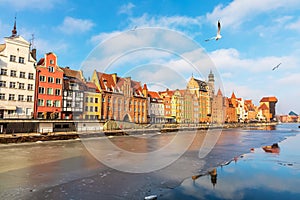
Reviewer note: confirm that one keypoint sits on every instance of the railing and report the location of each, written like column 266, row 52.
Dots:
column 17, row 116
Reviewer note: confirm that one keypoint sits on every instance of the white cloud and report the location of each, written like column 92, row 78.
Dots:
column 31, row 4
column 72, row 25
column 166, row 21
column 231, row 59
column 126, row 9
column 294, row 26
column 239, row 11
column 290, row 80
column 45, row 46
column 96, row 39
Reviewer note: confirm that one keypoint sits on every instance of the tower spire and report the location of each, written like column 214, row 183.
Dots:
column 14, row 31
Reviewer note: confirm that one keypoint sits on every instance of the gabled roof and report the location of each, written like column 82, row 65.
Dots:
column 154, row 95
column 92, row 86
column 269, row 99
column 106, row 81
column 167, row 92
column 292, row 113
column 76, row 74
column 233, row 95
column 41, row 61
column 219, row 93
column 202, row 84
column 263, row 107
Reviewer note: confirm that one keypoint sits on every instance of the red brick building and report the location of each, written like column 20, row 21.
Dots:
column 48, row 90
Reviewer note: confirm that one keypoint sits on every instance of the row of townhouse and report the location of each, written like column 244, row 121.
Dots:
column 44, row 90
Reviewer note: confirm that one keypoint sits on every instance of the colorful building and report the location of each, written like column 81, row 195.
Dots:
column 122, row 98
column 218, row 108
column 17, row 77
column 167, row 101
column 267, row 105
column 49, row 82
column 155, row 108
column 73, row 94
column 92, row 101
column 201, row 90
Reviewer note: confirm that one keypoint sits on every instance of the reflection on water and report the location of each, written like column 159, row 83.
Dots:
column 256, row 175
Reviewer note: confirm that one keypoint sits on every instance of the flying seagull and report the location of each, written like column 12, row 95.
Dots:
column 218, row 36
column 276, row 66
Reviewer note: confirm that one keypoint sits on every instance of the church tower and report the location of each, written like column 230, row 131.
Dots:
column 211, row 84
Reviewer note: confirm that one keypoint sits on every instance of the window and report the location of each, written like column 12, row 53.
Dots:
column 21, row 86
column 86, row 109
column 91, row 109
column 21, row 98
column 56, row 103
column 2, row 96
column 69, row 104
column 22, row 74
column 50, row 91
column 13, row 73
column 21, row 59
column 86, row 99
column 12, row 58
column 50, row 79
column 41, row 90
column 40, row 102
column 29, row 98
column 58, row 81
column 12, row 84
column 91, row 100
column 2, row 83
column 3, row 72
column 42, row 78
column 51, row 62
column 30, row 87
column 50, row 69
column 96, row 100
column 30, row 75
column 49, row 103
column 96, row 109
column 11, row 97
column 57, row 92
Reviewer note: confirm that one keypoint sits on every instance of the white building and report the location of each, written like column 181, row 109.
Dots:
column 17, row 77
column 156, row 108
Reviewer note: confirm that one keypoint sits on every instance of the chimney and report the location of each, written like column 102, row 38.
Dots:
column 33, row 54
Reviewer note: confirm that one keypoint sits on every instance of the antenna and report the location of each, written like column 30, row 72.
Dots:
column 32, row 41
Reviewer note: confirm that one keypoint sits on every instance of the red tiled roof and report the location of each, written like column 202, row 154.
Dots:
column 41, row 61
column 233, row 96
column 269, row 99
column 106, row 80
column 153, row 94
column 219, row 92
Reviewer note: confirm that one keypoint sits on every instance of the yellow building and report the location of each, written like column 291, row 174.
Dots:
column 201, row 90
column 92, row 102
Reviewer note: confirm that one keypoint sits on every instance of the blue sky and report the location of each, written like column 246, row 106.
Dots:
column 257, row 35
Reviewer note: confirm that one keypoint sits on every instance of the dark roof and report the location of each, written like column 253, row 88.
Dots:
column 202, row 85
column 292, row 113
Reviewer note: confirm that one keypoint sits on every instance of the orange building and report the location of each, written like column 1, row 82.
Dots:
column 49, row 80
column 167, row 100
column 267, row 105
column 122, row 98
column 231, row 109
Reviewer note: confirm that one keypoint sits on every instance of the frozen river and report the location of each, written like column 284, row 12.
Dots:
column 74, row 170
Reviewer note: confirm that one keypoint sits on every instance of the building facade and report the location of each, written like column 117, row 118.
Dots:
column 92, row 102
column 123, row 99
column 218, row 108
column 73, row 94
column 17, row 77
column 49, row 85
column 155, row 108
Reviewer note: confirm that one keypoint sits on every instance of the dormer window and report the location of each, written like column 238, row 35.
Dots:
column 51, row 62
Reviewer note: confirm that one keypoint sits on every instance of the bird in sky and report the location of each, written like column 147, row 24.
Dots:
column 276, row 66
column 218, row 36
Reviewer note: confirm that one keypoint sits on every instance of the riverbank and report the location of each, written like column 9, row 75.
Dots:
column 68, row 170
column 50, row 136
